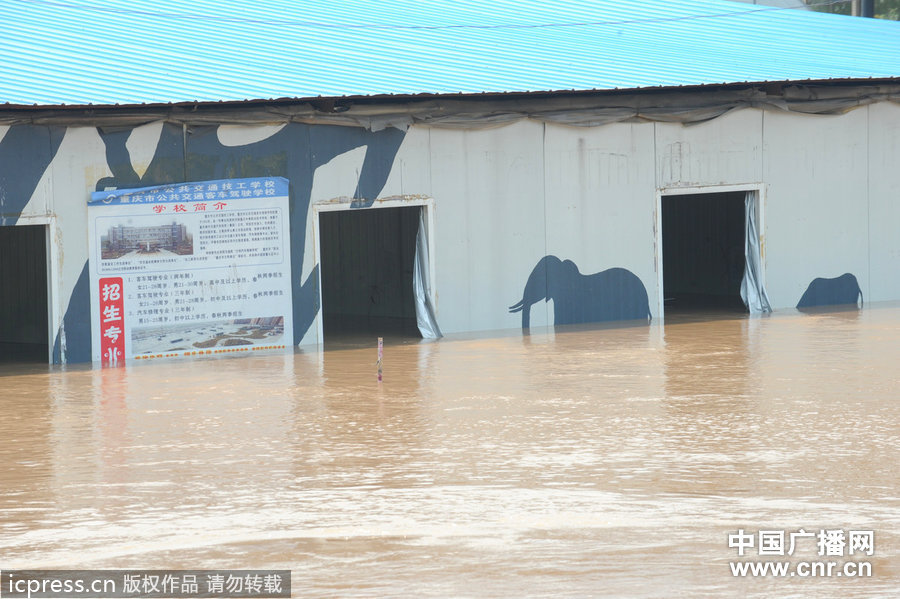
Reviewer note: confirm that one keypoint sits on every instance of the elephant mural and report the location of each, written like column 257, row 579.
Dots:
column 613, row 294
column 842, row 290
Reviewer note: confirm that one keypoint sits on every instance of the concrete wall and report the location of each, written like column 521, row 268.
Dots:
column 883, row 202
column 817, row 209
column 504, row 198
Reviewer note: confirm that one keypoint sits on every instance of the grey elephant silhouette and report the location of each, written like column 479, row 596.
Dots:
column 842, row 290
column 614, row 294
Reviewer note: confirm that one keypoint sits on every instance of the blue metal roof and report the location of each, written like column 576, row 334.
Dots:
column 159, row 51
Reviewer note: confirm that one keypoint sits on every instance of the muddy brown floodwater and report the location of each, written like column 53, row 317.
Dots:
column 610, row 462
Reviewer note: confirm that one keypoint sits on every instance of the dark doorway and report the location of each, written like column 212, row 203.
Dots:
column 703, row 252
column 23, row 294
column 366, row 260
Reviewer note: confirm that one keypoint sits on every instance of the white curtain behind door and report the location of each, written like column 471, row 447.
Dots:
column 753, row 292
column 428, row 325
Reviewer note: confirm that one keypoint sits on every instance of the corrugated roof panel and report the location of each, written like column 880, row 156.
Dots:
column 160, row 51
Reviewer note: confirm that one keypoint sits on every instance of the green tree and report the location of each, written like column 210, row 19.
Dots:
column 884, row 9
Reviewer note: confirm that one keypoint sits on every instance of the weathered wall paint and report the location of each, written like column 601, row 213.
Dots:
column 489, row 187
column 883, row 191
column 601, row 199
column 504, row 197
column 817, row 210
column 724, row 151
column 79, row 165
column 176, row 154
column 296, row 151
column 25, row 153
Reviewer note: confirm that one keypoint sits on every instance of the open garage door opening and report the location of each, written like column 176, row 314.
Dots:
column 703, row 243
column 23, row 294
column 367, row 261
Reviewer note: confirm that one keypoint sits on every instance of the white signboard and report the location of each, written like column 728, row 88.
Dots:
column 190, row 269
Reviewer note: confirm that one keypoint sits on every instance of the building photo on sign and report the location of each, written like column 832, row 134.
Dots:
column 130, row 240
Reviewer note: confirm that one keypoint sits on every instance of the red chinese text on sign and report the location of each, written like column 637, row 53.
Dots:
column 112, row 321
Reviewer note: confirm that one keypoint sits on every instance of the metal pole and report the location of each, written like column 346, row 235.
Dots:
column 867, row 8
column 380, row 356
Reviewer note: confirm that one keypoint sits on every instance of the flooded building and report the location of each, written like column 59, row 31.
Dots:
column 467, row 170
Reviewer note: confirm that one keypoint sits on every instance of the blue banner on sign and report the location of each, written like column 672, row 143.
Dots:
column 201, row 191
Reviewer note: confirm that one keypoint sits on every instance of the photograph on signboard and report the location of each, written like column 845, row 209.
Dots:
column 142, row 238
column 236, row 332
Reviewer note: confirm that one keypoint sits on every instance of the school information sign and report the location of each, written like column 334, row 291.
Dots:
column 190, row 269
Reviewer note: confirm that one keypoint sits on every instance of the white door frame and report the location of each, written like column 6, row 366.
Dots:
column 760, row 190
column 340, row 204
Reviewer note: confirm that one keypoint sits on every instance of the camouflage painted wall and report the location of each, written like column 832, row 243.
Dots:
column 505, row 200
column 179, row 154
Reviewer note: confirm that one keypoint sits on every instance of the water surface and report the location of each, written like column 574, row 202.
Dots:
column 610, row 462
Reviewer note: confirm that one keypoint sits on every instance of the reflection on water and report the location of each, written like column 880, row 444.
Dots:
column 609, row 462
